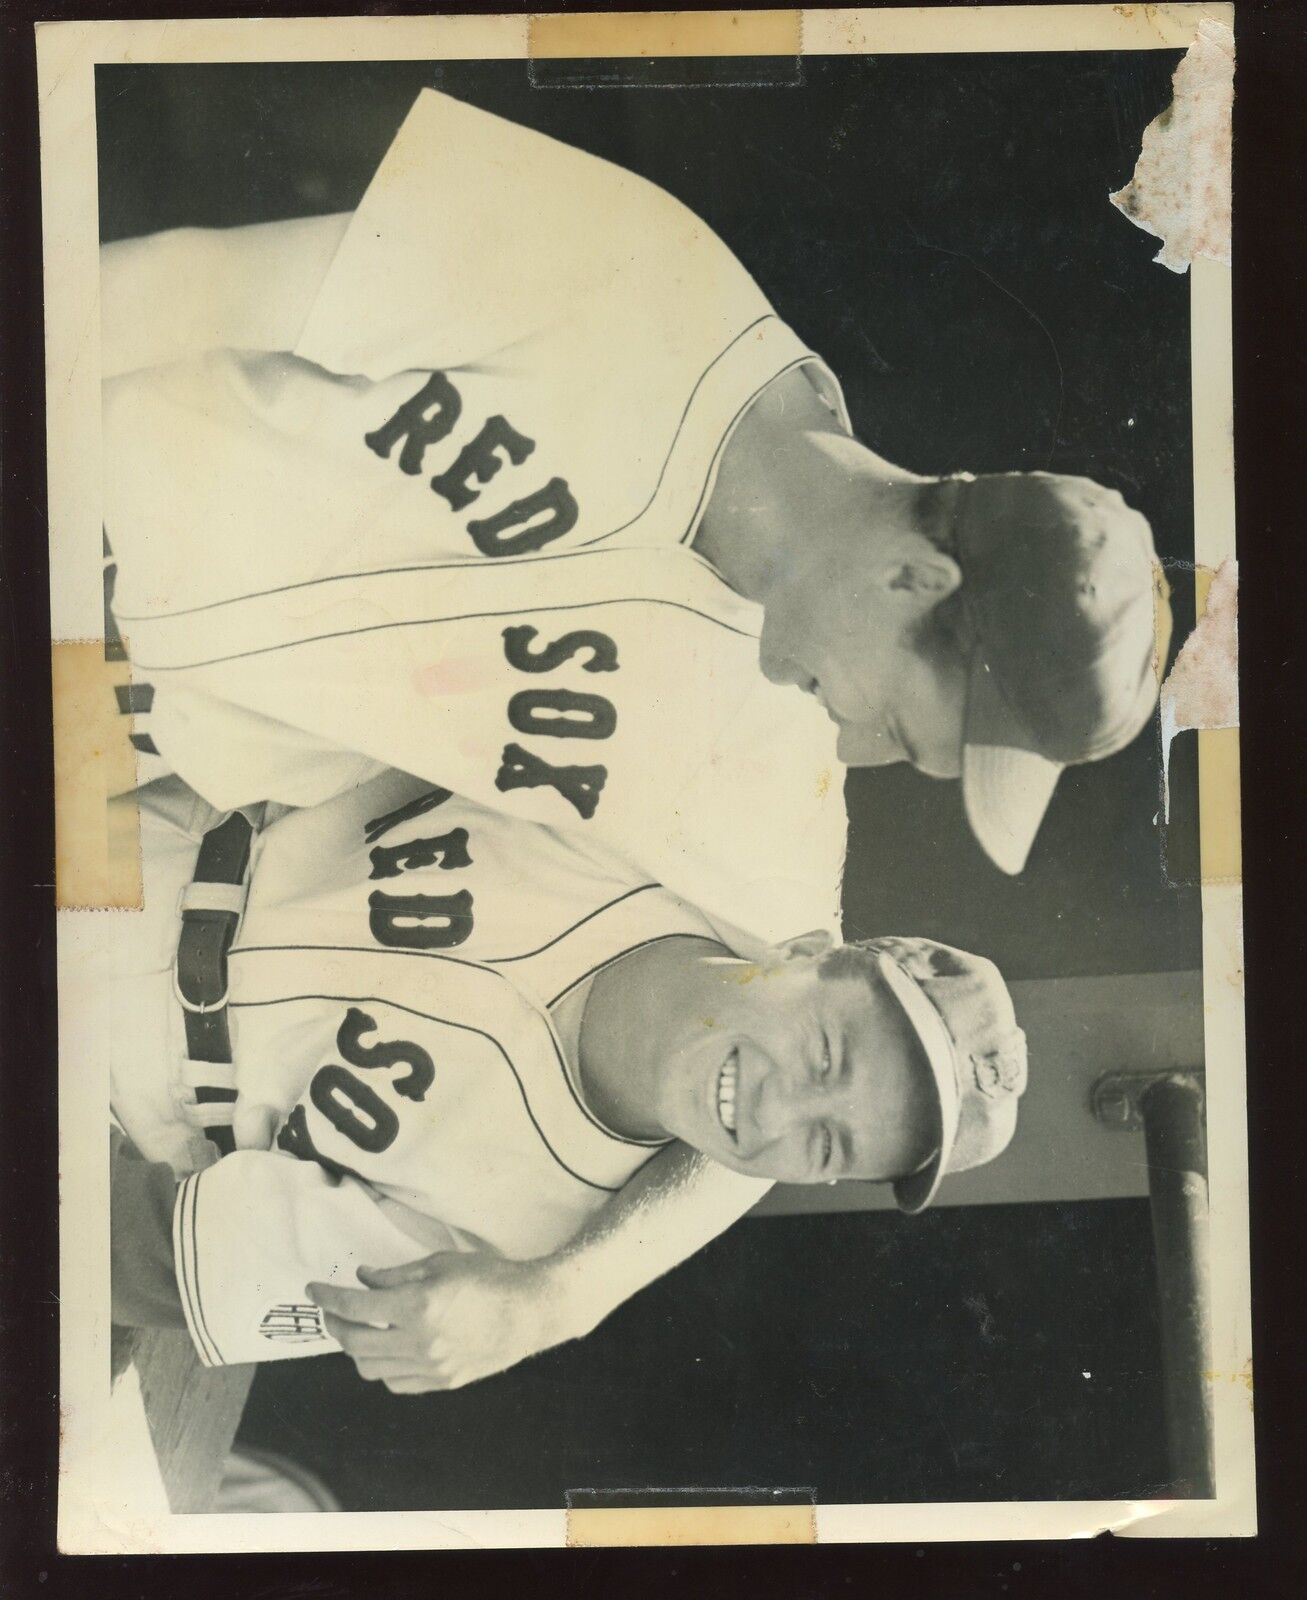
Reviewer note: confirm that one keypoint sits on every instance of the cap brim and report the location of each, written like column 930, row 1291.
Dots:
column 915, row 1192
column 1006, row 783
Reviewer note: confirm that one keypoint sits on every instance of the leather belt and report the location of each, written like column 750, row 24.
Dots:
column 211, row 906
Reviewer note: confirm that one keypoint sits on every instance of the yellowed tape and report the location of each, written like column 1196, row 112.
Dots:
column 97, row 847
column 665, row 33
column 594, row 1526
column 1219, row 818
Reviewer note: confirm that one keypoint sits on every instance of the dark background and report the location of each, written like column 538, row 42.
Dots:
column 939, row 230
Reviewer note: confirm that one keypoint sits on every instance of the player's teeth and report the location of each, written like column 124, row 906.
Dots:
column 726, row 1082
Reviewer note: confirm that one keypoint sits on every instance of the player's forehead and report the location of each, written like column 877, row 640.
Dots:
column 849, row 975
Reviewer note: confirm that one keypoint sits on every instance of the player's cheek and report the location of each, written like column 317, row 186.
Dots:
column 699, row 1102
column 685, row 1100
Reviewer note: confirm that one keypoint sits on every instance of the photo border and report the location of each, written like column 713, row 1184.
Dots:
column 67, row 54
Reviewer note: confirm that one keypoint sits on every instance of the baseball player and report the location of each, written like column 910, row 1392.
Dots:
column 430, row 1026
column 510, row 478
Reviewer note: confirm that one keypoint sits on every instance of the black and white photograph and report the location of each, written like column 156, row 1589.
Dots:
column 647, row 779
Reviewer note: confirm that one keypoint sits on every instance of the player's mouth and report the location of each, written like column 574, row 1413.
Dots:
column 728, row 1082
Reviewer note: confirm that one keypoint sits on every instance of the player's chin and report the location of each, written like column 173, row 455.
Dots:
column 727, row 1155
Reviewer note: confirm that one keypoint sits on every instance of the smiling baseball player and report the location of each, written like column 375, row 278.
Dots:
column 463, row 1032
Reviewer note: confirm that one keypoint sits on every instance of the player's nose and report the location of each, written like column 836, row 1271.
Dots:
column 785, row 1101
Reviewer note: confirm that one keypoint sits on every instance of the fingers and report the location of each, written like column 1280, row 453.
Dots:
column 408, row 1272
column 381, row 1370
column 412, row 1385
column 401, row 1377
column 368, row 1307
column 358, row 1341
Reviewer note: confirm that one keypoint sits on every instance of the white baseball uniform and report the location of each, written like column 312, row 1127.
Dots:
column 389, row 990
column 450, row 531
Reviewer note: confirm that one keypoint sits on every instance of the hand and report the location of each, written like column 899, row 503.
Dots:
column 444, row 1321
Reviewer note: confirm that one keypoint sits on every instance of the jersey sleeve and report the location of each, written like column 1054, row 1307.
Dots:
column 252, row 1230
column 170, row 296
column 477, row 235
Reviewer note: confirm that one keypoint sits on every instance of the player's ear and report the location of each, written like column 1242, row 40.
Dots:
column 921, row 578
column 816, row 943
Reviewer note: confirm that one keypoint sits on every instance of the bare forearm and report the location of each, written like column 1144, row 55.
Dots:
column 453, row 1318
column 671, row 1208
column 177, row 294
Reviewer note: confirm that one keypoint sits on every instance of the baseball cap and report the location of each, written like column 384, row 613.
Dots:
column 1071, row 617
column 961, row 1012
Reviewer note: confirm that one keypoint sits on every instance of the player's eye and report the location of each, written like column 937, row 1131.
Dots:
column 825, row 1070
column 827, row 1149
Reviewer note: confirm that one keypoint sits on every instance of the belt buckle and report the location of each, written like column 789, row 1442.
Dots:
column 199, row 1008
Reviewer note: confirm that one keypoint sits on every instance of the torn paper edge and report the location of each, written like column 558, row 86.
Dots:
column 1202, row 689
column 1180, row 192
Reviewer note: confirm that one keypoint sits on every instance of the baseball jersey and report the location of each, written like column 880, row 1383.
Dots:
column 389, row 995
column 450, row 531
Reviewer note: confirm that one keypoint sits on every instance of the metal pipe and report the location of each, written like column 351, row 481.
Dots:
column 1175, row 1137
